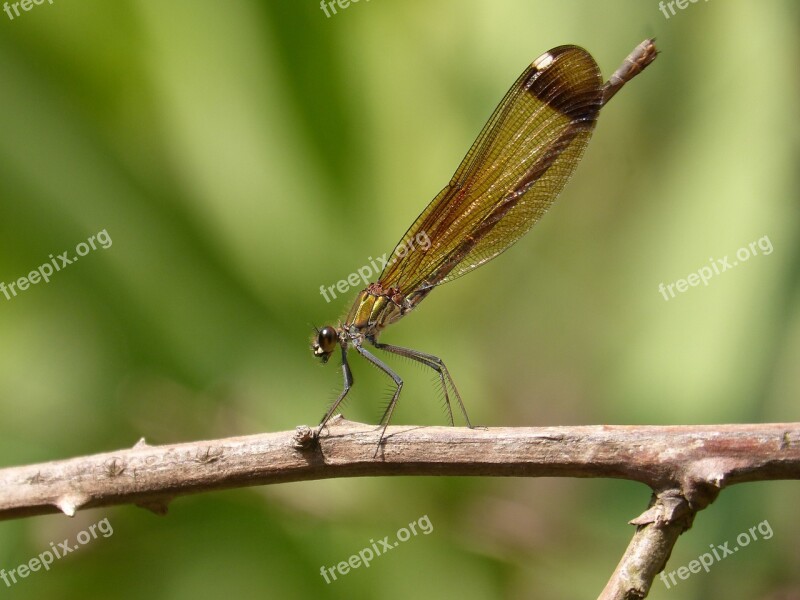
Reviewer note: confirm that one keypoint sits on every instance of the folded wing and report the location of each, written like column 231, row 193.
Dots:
column 510, row 177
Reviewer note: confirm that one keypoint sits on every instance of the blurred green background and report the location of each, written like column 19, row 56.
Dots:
column 240, row 155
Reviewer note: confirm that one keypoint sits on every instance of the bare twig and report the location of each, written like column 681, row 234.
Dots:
column 686, row 467
column 657, row 530
column 699, row 460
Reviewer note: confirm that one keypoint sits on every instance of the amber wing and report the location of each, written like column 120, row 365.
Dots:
column 510, row 177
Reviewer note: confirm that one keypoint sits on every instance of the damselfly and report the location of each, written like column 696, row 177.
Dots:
column 510, row 177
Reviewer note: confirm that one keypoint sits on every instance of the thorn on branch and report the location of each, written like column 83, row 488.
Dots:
column 157, row 506
column 70, row 503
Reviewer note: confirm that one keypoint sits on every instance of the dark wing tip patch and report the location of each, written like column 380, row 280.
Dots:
column 567, row 79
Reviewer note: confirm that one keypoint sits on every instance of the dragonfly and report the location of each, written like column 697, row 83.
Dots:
column 510, row 177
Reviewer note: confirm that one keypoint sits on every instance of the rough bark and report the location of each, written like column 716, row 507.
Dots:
column 685, row 466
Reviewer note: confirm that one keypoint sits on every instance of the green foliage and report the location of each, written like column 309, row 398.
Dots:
column 241, row 155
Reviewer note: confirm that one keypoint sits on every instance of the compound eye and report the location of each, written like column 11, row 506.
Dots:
column 327, row 339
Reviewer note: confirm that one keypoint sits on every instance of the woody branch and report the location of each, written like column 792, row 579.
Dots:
column 685, row 466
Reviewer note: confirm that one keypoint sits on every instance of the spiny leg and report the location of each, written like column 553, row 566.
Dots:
column 429, row 364
column 435, row 363
column 387, row 414
column 348, row 383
